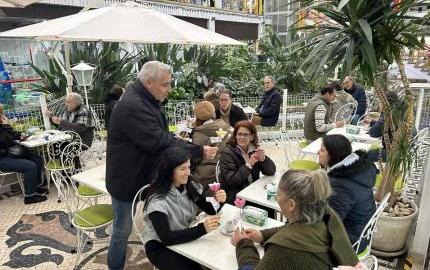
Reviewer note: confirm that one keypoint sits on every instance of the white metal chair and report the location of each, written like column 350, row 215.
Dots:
column 346, row 113
column 371, row 262
column 138, row 198
column 100, row 130
column 181, row 112
column 70, row 157
column 4, row 175
column 369, row 229
column 84, row 219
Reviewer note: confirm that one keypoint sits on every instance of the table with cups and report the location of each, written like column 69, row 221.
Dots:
column 214, row 249
column 359, row 141
column 39, row 139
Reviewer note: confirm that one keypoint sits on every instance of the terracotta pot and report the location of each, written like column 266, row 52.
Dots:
column 391, row 232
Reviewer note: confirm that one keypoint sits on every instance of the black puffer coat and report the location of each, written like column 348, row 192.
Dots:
column 234, row 173
column 352, row 198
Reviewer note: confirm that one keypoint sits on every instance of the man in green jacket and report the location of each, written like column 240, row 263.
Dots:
column 318, row 111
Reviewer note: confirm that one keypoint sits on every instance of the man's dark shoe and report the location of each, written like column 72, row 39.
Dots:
column 34, row 199
column 42, row 191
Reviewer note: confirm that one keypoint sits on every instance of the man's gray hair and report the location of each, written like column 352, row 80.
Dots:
column 218, row 87
column 271, row 78
column 152, row 69
column 76, row 97
column 350, row 78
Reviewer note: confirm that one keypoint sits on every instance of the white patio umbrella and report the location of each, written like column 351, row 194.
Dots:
column 125, row 22
column 16, row 3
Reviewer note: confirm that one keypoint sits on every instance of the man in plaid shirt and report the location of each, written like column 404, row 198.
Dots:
column 75, row 117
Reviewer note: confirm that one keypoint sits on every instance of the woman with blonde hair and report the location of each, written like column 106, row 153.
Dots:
column 314, row 237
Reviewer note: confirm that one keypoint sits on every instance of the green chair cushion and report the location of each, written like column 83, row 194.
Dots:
column 363, row 254
column 374, row 146
column 173, row 128
column 303, row 164
column 398, row 185
column 54, row 164
column 93, row 216
column 102, row 133
column 303, row 143
column 84, row 190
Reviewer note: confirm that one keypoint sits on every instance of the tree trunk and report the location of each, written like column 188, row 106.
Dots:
column 404, row 130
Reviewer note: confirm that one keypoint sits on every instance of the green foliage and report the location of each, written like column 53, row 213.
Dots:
column 114, row 66
column 358, row 33
column 53, row 79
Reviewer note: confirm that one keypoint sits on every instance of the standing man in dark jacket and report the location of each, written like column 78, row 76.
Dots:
column 270, row 105
column 137, row 133
column 110, row 101
column 359, row 95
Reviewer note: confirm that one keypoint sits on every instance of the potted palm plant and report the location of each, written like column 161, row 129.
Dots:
column 366, row 34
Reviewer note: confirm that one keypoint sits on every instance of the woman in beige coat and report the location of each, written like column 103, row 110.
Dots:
column 207, row 132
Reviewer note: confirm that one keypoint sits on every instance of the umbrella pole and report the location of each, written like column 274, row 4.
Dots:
column 67, row 64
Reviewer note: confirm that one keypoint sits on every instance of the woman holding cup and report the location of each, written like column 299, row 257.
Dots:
column 314, row 237
column 243, row 160
column 171, row 205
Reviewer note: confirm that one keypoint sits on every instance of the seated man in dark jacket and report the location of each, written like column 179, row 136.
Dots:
column 359, row 95
column 76, row 117
column 270, row 105
column 377, row 128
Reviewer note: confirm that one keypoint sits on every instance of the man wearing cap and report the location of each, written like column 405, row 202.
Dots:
column 206, row 132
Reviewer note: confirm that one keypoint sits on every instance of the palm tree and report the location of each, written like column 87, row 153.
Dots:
column 365, row 34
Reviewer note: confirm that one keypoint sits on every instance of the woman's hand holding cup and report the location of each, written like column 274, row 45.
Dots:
column 211, row 223
column 220, row 196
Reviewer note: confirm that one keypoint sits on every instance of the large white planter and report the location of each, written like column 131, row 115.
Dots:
column 391, row 233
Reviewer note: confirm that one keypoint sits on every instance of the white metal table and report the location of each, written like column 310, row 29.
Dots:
column 315, row 146
column 39, row 142
column 256, row 192
column 94, row 178
column 214, row 249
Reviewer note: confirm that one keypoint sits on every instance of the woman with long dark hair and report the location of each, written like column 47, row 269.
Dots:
column 352, row 177
column 171, row 205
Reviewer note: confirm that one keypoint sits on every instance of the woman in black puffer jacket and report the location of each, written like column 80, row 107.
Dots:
column 352, row 177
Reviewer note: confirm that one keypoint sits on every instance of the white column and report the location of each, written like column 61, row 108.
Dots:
column 44, row 108
column 284, row 110
column 261, row 26
column 69, row 77
column 211, row 24
column 419, row 108
column 422, row 232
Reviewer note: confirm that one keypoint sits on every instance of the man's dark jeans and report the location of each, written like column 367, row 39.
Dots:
column 30, row 166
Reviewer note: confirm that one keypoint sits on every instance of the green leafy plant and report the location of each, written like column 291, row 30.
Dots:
column 365, row 34
column 114, row 66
